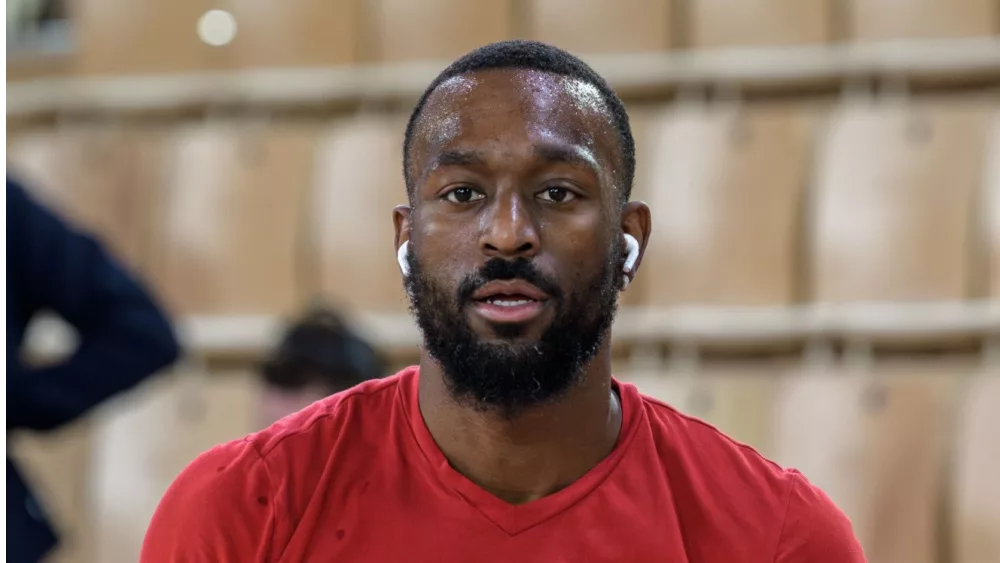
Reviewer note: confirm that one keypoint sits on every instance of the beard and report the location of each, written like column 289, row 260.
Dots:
column 507, row 376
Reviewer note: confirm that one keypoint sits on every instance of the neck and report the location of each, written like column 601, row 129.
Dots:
column 541, row 450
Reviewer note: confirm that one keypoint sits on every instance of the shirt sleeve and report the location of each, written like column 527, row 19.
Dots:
column 219, row 509
column 815, row 530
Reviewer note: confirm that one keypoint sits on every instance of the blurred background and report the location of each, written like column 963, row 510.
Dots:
column 823, row 279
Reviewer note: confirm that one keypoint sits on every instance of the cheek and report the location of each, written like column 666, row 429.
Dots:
column 446, row 250
column 579, row 256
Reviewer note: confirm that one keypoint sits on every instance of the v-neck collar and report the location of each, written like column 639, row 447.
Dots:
column 512, row 518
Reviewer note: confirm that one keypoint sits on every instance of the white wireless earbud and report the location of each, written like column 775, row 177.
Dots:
column 404, row 266
column 632, row 247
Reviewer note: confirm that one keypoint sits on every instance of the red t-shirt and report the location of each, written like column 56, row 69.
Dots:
column 357, row 477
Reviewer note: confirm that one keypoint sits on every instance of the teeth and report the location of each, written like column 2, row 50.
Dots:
column 508, row 303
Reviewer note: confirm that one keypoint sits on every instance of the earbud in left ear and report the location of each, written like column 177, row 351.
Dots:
column 404, row 266
column 632, row 249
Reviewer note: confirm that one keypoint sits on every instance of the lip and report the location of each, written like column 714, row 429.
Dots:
column 534, row 300
column 510, row 288
column 509, row 314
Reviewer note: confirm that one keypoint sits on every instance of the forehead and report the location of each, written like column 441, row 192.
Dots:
column 495, row 105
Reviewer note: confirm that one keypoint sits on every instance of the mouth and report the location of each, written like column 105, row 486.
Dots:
column 509, row 301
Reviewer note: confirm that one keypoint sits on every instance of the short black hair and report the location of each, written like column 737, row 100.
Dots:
column 532, row 55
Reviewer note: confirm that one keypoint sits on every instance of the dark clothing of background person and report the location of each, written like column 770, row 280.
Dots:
column 124, row 338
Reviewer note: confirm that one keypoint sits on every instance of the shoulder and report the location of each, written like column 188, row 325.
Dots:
column 226, row 471
column 220, row 508
column 775, row 503
column 323, row 422
column 814, row 529
column 700, row 445
column 343, row 432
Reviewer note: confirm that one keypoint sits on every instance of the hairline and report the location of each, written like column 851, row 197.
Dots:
column 609, row 100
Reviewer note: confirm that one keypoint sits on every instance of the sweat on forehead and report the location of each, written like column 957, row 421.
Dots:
column 544, row 102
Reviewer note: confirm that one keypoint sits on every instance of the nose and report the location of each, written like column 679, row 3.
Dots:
column 509, row 230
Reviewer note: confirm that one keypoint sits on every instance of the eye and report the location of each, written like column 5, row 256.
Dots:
column 463, row 194
column 557, row 194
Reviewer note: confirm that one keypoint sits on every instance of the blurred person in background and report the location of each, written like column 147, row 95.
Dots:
column 511, row 441
column 124, row 337
column 318, row 356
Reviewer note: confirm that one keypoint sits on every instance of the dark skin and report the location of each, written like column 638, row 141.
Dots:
column 516, row 163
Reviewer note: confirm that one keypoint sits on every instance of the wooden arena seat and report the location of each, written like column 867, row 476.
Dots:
column 643, row 119
column 402, row 30
column 598, row 26
column 302, row 33
column 143, row 441
column 877, row 20
column 737, row 397
column 725, row 188
column 895, row 201
column 876, row 440
column 119, row 37
column 757, row 23
column 892, row 217
column 125, row 37
column 976, row 486
column 358, row 181
column 225, row 235
column 991, row 207
column 93, row 176
column 724, row 184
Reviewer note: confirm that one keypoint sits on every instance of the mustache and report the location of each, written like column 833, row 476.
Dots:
column 498, row 269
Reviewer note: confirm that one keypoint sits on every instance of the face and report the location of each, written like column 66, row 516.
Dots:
column 516, row 234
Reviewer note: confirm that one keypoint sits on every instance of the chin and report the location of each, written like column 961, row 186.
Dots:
column 511, row 334
column 529, row 332
column 510, row 343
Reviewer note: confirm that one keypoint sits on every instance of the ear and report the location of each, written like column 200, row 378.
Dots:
column 401, row 223
column 636, row 222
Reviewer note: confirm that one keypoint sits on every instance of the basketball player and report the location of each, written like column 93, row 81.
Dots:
column 511, row 441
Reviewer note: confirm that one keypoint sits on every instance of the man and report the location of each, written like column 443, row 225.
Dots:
column 124, row 338
column 511, row 441
column 318, row 356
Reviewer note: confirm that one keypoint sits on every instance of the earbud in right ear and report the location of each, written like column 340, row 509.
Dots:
column 632, row 250
column 404, row 266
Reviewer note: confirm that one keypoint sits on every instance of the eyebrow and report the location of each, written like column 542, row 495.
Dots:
column 566, row 155
column 547, row 152
column 456, row 158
